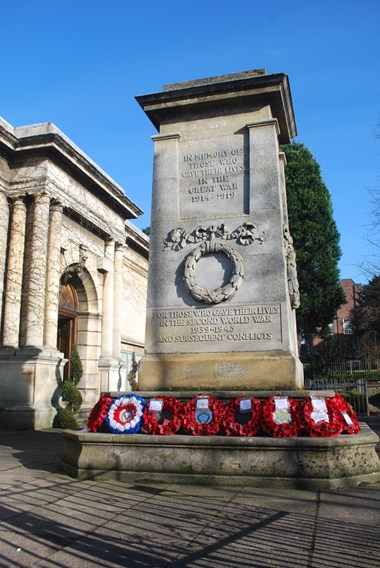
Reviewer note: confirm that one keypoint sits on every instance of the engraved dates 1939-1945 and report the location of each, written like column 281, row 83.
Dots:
column 218, row 324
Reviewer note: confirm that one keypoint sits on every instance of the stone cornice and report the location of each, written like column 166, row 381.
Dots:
column 198, row 96
column 47, row 140
column 137, row 238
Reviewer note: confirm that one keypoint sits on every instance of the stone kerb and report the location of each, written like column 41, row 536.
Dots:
column 301, row 463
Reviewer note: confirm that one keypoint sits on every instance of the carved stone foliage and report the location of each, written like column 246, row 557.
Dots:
column 218, row 294
column 212, row 242
column 291, row 264
column 245, row 234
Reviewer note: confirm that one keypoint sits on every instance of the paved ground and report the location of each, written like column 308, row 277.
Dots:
column 49, row 520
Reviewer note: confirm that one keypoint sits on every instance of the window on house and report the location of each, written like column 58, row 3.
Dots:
column 347, row 327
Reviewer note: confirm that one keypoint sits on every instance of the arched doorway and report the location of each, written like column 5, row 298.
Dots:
column 67, row 323
column 79, row 322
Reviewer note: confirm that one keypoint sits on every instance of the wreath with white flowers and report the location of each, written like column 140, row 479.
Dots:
column 125, row 415
column 240, row 407
column 203, row 416
column 154, row 421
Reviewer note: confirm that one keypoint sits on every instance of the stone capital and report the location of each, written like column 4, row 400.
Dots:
column 56, row 206
column 42, row 198
column 265, row 123
column 18, row 203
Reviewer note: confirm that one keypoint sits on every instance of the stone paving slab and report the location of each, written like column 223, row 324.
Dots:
column 49, row 520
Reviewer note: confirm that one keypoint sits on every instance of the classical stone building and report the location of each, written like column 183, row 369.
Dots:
column 73, row 269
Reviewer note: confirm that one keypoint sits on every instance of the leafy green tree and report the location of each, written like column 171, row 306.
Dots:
column 316, row 240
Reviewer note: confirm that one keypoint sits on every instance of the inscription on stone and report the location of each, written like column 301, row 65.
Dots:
column 216, row 324
column 222, row 283
column 212, row 181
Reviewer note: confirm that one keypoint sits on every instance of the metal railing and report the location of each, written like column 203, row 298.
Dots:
column 350, row 367
column 354, row 391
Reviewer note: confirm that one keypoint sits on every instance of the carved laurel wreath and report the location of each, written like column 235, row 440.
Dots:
column 219, row 294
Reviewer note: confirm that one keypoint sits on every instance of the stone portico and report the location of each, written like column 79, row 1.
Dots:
column 73, row 269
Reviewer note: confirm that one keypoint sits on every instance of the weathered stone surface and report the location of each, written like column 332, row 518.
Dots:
column 219, row 270
column 12, row 304
column 29, row 387
column 323, row 463
column 64, row 209
column 243, row 370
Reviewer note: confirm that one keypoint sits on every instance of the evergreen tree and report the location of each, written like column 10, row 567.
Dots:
column 76, row 365
column 316, row 240
column 70, row 392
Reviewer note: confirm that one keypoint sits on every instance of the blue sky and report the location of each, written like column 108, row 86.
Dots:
column 80, row 64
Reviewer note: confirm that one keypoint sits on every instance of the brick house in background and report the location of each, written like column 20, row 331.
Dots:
column 341, row 325
column 342, row 322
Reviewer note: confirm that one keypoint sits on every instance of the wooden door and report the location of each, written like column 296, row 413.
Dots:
column 67, row 324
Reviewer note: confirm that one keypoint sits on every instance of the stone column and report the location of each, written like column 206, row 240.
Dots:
column 4, row 220
column 12, row 304
column 117, row 296
column 108, row 311
column 53, row 276
column 35, row 305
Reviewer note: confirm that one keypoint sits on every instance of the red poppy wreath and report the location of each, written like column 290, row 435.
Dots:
column 203, row 416
column 154, row 421
column 99, row 413
column 279, row 417
column 350, row 420
column 321, row 417
column 235, row 412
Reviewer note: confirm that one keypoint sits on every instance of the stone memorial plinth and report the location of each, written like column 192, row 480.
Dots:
column 299, row 463
column 222, row 288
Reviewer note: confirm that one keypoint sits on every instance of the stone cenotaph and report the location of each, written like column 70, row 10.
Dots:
column 222, row 287
column 222, row 294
